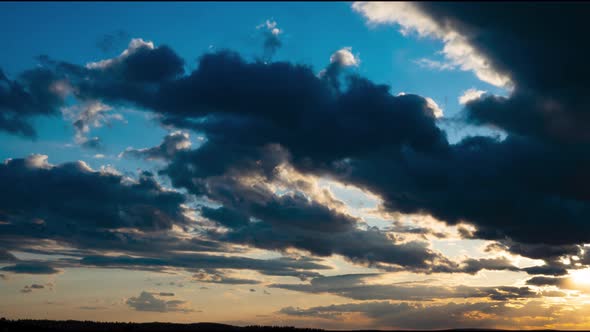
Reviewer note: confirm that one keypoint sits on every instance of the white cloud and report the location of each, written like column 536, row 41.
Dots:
column 89, row 114
column 456, row 50
column 469, row 95
column 436, row 110
column 434, row 64
column 134, row 45
column 345, row 58
column 271, row 26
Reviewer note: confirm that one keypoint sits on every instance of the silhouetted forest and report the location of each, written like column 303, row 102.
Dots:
column 90, row 326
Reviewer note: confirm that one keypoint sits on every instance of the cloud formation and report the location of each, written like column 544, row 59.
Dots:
column 173, row 142
column 152, row 302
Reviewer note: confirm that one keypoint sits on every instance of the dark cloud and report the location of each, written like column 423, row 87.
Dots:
column 550, row 97
column 536, row 251
column 147, row 301
column 356, row 287
column 554, row 270
column 69, row 194
column 31, row 268
column 473, row 266
column 140, row 63
column 172, row 144
column 397, row 151
column 302, row 268
column 546, row 281
column 6, row 256
column 44, row 205
column 31, row 288
column 217, row 277
column 294, row 221
column 35, row 92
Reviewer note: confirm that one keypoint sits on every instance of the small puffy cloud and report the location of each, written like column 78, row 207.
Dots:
column 272, row 42
column 345, row 58
column 147, row 301
column 31, row 288
column 339, row 61
column 212, row 276
column 87, row 115
column 469, row 95
column 173, row 143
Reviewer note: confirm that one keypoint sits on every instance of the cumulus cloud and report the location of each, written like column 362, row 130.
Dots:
column 339, row 61
column 173, row 142
column 146, row 204
column 469, row 95
column 344, row 57
column 141, row 62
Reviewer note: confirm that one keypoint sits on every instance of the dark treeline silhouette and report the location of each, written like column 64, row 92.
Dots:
column 91, row 326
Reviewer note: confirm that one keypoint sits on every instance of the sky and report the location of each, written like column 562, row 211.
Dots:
column 336, row 165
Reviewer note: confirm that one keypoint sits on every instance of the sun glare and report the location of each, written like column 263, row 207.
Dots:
column 581, row 276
